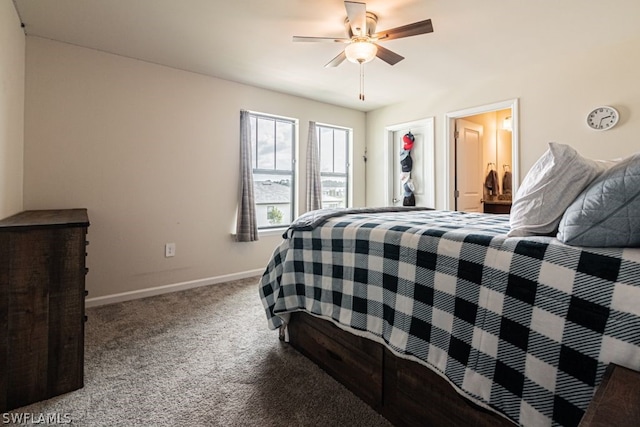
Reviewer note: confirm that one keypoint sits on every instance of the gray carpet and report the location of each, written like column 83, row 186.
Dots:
column 202, row 357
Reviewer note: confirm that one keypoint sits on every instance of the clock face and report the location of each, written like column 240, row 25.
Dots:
column 603, row 118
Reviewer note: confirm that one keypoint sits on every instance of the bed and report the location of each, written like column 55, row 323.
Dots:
column 407, row 305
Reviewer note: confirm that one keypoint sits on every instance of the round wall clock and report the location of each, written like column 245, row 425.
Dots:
column 602, row 118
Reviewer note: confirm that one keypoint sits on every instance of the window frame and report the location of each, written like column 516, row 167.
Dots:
column 347, row 175
column 293, row 173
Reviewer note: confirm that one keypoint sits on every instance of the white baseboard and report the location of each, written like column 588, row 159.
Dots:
column 165, row 289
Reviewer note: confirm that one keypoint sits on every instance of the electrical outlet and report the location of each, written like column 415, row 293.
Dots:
column 169, row 250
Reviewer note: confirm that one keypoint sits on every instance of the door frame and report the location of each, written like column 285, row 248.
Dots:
column 428, row 171
column 450, row 138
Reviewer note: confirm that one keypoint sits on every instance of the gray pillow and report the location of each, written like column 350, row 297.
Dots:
column 607, row 213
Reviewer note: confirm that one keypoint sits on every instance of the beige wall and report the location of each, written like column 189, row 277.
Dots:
column 152, row 153
column 12, row 52
column 554, row 99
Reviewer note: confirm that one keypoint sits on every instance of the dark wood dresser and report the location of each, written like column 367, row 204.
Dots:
column 42, row 292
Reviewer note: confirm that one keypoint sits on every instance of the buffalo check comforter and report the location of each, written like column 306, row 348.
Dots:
column 525, row 326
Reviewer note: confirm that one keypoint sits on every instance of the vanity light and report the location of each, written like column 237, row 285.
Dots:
column 506, row 123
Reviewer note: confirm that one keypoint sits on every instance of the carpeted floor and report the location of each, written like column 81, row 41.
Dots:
column 201, row 357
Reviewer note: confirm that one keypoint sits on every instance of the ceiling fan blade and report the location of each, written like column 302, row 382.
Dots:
column 357, row 15
column 414, row 29
column 320, row 39
column 337, row 60
column 388, row 56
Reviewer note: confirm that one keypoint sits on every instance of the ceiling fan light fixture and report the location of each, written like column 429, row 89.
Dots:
column 361, row 51
column 360, row 26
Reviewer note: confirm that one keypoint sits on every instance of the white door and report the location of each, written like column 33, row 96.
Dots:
column 469, row 179
column 423, row 175
column 418, row 154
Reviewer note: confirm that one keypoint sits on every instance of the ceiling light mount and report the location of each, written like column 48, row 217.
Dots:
column 370, row 22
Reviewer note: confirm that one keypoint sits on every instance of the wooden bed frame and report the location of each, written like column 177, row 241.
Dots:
column 410, row 394
column 404, row 392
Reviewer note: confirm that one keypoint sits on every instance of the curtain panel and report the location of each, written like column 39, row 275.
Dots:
column 246, row 224
column 314, row 185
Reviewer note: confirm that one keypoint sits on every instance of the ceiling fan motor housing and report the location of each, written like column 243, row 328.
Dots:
column 372, row 21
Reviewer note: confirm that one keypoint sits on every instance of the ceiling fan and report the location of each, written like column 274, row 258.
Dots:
column 362, row 38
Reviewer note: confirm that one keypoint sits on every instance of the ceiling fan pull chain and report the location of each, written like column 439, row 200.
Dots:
column 362, row 81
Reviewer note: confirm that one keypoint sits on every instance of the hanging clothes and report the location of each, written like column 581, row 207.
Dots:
column 507, row 186
column 491, row 182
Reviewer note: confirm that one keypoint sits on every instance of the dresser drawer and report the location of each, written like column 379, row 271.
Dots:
column 354, row 361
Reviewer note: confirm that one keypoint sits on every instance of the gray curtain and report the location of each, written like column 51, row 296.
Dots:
column 246, row 224
column 314, row 185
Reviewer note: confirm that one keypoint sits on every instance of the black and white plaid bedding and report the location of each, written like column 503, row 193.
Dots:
column 525, row 326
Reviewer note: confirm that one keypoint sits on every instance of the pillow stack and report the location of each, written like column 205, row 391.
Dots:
column 586, row 202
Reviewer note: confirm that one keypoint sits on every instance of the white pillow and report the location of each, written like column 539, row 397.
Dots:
column 552, row 184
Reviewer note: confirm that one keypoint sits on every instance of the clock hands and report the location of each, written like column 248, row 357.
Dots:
column 606, row 117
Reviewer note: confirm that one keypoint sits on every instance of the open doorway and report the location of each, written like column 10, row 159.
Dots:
column 482, row 159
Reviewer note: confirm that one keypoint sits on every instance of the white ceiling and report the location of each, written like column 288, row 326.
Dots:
column 249, row 41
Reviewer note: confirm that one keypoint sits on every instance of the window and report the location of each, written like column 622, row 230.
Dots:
column 334, row 165
column 273, row 149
